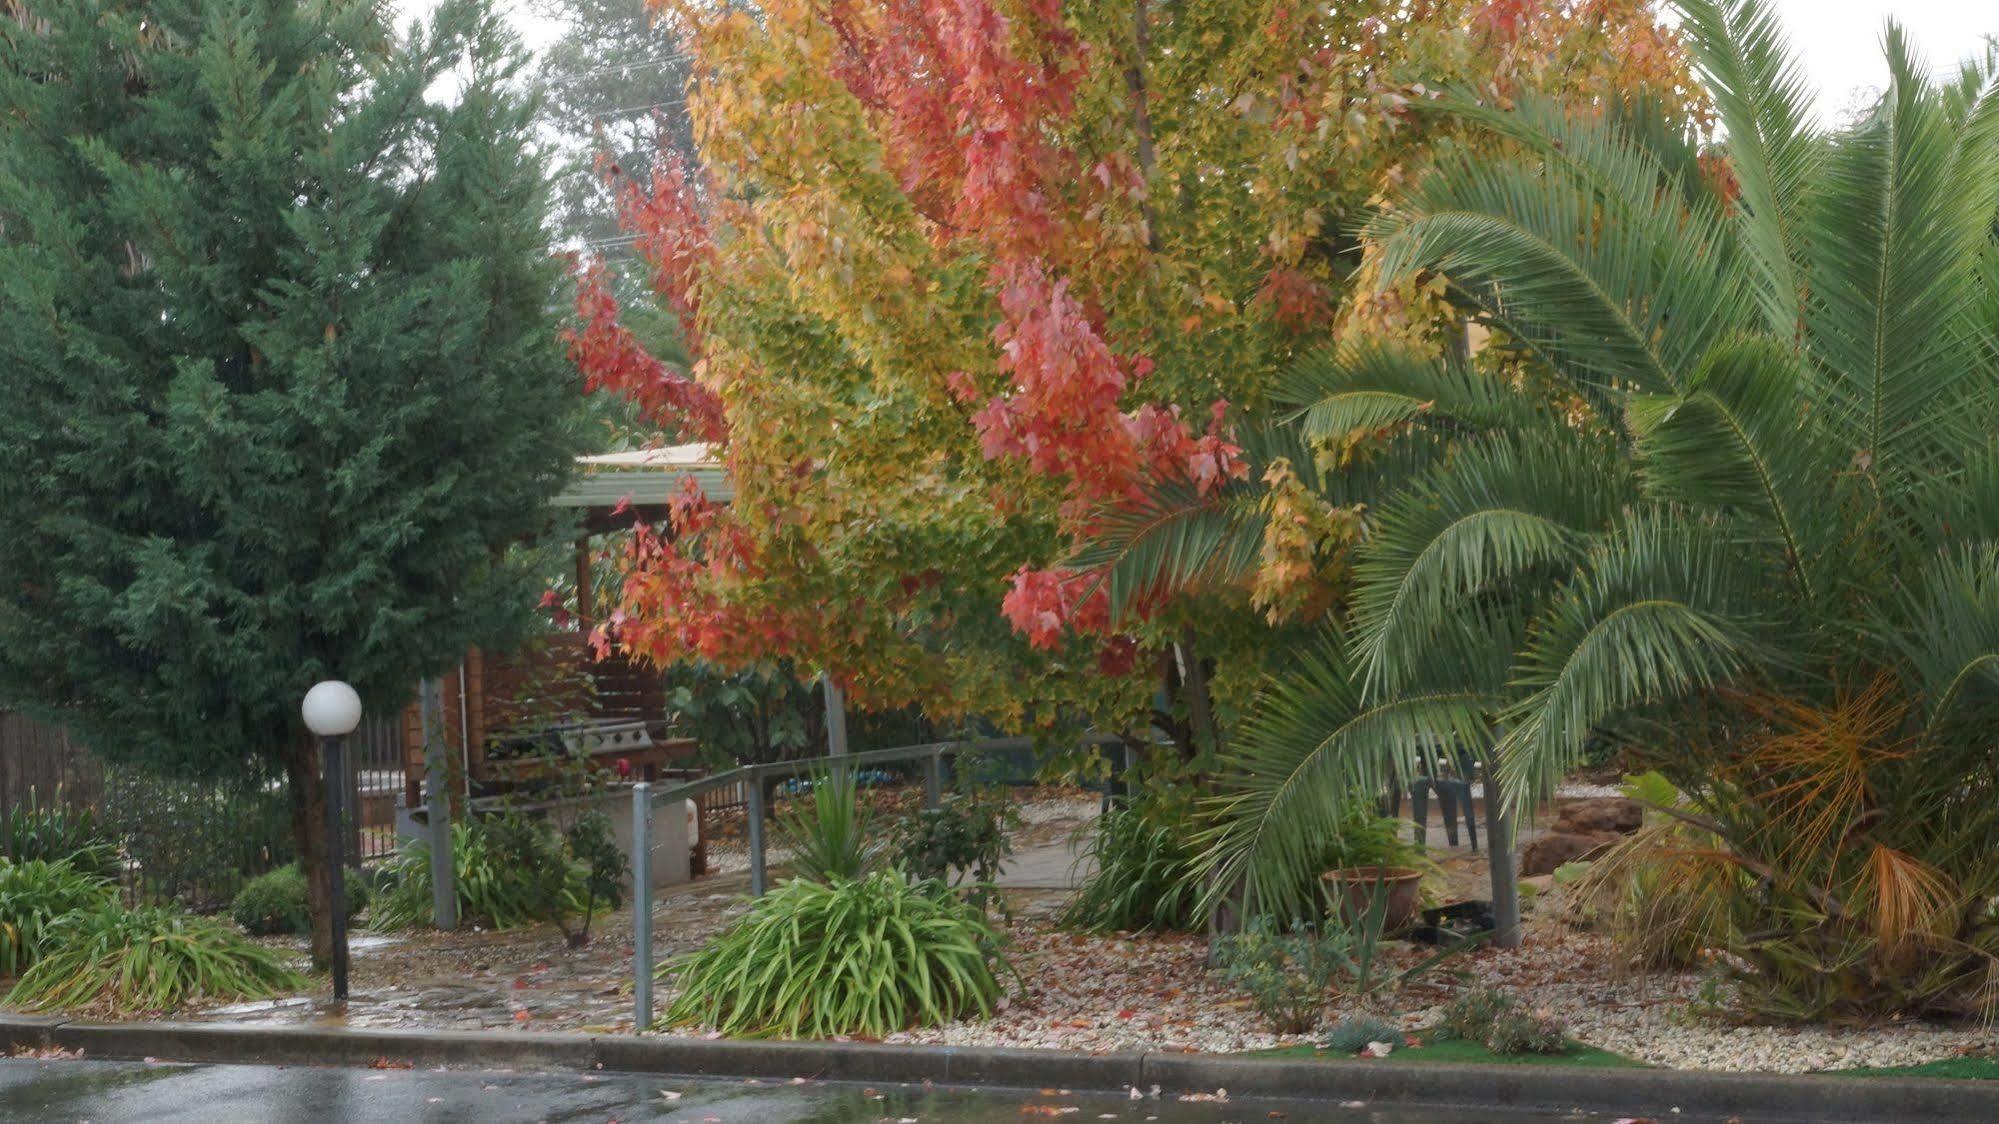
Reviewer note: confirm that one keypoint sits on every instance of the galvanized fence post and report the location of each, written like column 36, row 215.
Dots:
column 933, row 779
column 641, row 907
column 437, row 806
column 755, row 815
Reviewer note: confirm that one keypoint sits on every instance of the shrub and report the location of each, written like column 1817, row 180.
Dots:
column 33, row 894
column 508, row 870
column 1364, row 839
column 829, row 832
column 57, row 833
column 1288, row 975
column 1469, row 1016
column 1521, row 1032
column 155, row 958
column 606, row 872
column 1144, row 878
column 275, row 901
column 966, row 837
column 863, row 957
column 1354, row 1033
column 1665, row 891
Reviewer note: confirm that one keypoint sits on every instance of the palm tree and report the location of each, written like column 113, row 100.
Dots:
column 1740, row 506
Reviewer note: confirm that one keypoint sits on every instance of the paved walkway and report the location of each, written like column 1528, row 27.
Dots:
column 1063, row 865
column 1051, row 866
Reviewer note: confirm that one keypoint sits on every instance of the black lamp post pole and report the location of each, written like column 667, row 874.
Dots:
column 334, row 751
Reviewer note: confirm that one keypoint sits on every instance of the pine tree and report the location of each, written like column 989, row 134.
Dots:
column 281, row 392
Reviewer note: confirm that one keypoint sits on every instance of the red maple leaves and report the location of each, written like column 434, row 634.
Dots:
column 675, row 599
column 671, row 233
column 612, row 359
column 968, row 100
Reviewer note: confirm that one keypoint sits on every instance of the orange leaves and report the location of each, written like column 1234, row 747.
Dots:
column 677, row 585
column 1909, row 902
column 1042, row 604
column 1811, row 768
column 1303, row 540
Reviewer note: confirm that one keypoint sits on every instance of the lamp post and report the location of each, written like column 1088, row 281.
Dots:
column 332, row 709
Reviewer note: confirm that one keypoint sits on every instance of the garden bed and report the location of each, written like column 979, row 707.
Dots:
column 1116, row 992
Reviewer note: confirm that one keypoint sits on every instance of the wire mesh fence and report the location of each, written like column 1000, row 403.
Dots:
column 196, row 841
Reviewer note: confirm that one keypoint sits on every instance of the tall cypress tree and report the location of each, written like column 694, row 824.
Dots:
column 281, row 391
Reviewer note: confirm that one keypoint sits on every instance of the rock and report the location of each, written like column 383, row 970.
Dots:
column 1618, row 814
column 1541, row 883
column 1552, row 850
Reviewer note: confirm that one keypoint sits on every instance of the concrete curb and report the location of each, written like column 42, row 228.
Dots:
column 1626, row 1092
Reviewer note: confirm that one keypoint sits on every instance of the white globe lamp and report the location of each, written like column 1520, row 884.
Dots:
column 331, row 711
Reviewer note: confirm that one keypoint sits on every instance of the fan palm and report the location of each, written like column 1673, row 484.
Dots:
column 1741, row 504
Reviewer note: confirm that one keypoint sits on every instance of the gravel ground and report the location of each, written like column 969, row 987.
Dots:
column 1091, row 993
column 1154, row 993
column 1650, row 1017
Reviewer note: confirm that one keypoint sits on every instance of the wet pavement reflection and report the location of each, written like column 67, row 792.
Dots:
column 103, row 1092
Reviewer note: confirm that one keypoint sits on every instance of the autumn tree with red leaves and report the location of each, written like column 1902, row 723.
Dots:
column 964, row 278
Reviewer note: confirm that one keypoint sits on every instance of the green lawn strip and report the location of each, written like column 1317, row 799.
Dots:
column 1962, row 1069
column 1458, row 1050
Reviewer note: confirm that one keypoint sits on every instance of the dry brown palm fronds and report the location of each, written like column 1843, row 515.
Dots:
column 1811, row 768
column 1908, row 903
column 1665, row 892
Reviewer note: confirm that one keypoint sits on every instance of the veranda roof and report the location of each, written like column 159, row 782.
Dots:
column 642, row 482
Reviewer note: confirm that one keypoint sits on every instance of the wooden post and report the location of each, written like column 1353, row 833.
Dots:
column 437, row 805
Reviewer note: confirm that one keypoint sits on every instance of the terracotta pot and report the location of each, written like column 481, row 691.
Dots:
column 1352, row 892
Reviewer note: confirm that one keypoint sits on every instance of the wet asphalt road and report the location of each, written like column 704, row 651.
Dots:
column 107, row 1092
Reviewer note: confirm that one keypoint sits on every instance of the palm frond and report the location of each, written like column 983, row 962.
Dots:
column 1759, row 93
column 1904, row 213
column 1739, row 438
column 1175, row 538
column 1622, row 151
column 1528, row 244
column 1309, row 747
column 1948, row 629
column 1479, row 523
column 1660, row 609
column 1335, row 392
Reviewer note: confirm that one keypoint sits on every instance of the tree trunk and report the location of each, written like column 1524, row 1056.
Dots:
column 302, row 769
column 1505, row 866
column 1141, row 116
column 1200, row 706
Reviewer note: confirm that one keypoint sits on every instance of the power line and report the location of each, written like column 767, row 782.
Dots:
column 655, row 64
column 627, row 111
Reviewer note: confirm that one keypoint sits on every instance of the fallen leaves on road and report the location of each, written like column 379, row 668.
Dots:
column 47, row 1053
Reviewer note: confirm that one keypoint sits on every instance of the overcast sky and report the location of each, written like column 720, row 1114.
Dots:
column 1839, row 40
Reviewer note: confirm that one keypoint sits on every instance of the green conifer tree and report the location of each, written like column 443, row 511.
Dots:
column 282, row 396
